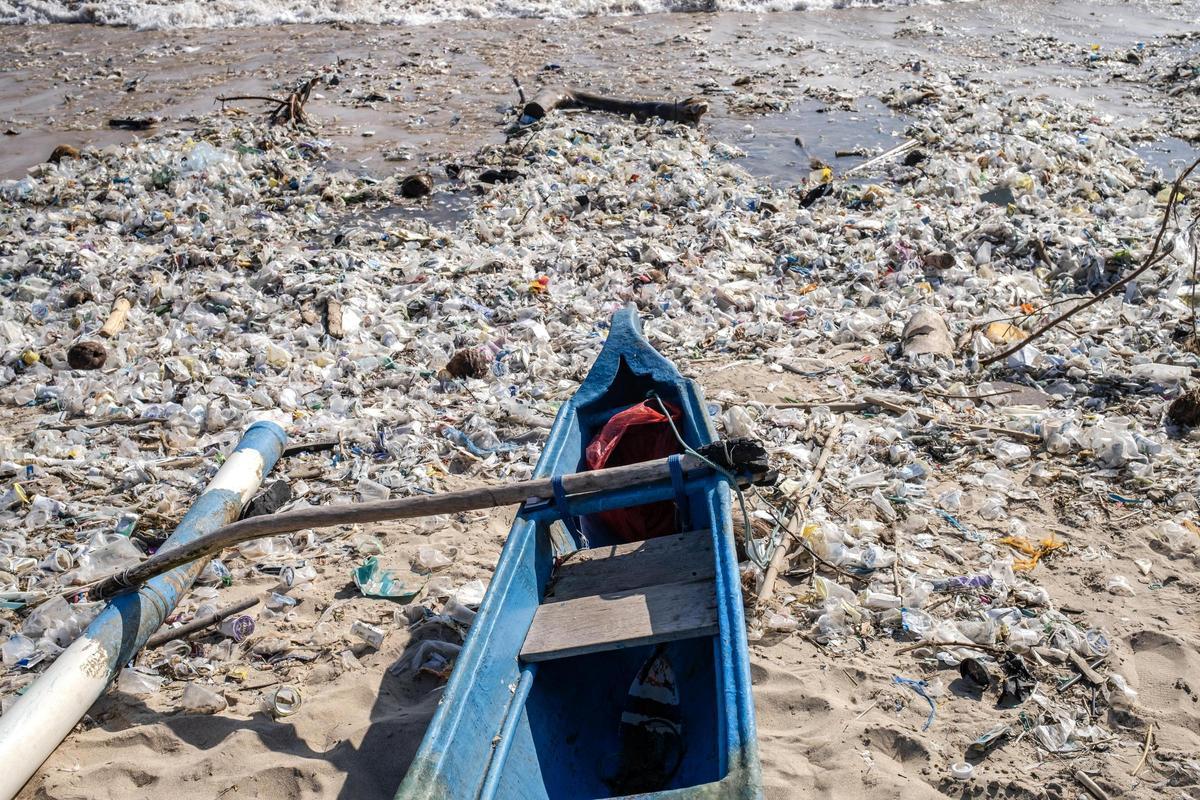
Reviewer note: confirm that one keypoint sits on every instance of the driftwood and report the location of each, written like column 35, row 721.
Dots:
column 333, row 318
column 687, row 111
column 289, row 110
column 199, row 623
column 1092, row 787
column 844, row 406
column 895, row 152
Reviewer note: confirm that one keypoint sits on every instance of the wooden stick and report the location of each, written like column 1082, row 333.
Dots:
column 288, row 110
column 88, row 424
column 835, row 406
column 779, row 557
column 116, row 318
column 199, row 624
column 896, row 408
column 579, row 483
column 1151, row 259
column 1145, row 750
column 845, row 406
column 1085, row 669
column 987, row 648
column 898, row 150
column 1093, row 789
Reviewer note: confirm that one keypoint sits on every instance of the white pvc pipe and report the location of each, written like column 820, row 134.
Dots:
column 41, row 718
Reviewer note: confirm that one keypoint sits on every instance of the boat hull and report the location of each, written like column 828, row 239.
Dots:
column 550, row 730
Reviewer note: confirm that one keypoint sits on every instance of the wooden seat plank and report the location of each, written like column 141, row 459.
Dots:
column 666, row 559
column 607, row 621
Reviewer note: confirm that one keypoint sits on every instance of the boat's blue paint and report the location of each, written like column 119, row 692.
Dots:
column 505, row 731
column 124, row 625
column 508, row 732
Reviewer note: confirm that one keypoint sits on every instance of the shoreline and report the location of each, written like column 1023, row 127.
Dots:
column 443, row 90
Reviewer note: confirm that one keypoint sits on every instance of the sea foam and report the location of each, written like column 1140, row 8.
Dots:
column 168, row 14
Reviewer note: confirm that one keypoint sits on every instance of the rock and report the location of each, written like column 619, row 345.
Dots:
column 1185, row 409
column 61, row 152
column 926, row 332
column 469, row 363
column 494, row 176
column 418, row 185
column 86, row 355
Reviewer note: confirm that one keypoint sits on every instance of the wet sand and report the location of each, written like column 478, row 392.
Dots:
column 439, row 92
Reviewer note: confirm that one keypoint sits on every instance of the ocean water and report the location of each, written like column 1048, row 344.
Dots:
column 166, row 14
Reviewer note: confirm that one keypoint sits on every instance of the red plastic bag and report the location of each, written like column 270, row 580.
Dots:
column 640, row 433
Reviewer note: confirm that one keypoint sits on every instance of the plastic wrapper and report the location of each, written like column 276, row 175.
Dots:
column 200, row 699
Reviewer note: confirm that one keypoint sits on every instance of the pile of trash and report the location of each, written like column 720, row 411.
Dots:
column 160, row 295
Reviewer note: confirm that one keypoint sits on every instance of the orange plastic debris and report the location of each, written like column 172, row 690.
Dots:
column 1034, row 551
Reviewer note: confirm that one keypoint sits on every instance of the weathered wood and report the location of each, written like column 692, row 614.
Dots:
column 687, row 111
column 602, row 622
column 546, row 101
column 925, row 416
column 641, row 474
column 288, row 110
column 1085, row 669
column 666, row 559
column 895, row 152
column 116, row 318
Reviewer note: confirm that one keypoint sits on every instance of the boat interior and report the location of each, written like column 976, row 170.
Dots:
column 609, row 605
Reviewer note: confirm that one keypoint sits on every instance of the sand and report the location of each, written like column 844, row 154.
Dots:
column 831, row 724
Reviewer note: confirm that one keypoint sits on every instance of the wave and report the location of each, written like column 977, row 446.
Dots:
column 171, row 14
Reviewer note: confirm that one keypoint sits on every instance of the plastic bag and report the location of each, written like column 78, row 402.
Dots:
column 650, row 438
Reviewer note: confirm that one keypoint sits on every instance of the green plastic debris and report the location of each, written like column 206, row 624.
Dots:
column 373, row 581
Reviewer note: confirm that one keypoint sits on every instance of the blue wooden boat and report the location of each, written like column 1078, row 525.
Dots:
column 619, row 670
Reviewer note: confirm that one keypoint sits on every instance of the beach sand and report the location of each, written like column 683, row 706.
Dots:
column 831, row 724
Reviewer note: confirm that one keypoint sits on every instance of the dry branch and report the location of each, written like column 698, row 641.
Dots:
column 289, row 110
column 1152, row 258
